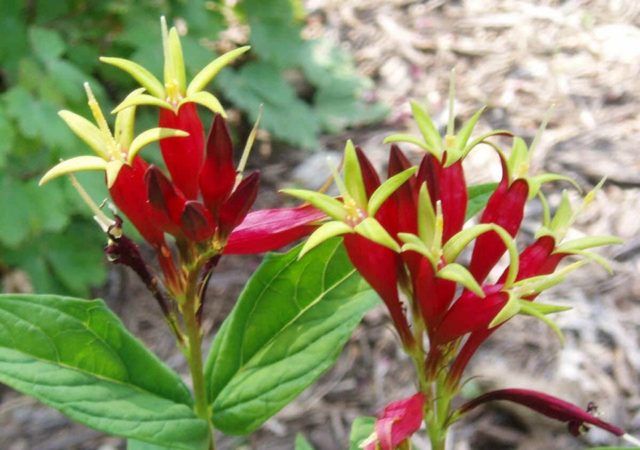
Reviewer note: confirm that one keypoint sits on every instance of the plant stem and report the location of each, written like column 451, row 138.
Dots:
column 189, row 310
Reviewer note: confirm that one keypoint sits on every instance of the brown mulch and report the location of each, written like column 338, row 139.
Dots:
column 519, row 58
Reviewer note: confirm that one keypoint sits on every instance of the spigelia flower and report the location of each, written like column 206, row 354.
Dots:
column 117, row 156
column 537, row 272
column 177, row 102
column 397, row 422
column 226, row 196
column 576, row 418
column 506, row 205
column 356, row 215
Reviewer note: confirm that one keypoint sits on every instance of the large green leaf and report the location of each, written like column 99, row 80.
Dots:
column 139, row 445
column 288, row 327
column 76, row 356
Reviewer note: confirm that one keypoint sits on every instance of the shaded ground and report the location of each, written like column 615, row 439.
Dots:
column 518, row 58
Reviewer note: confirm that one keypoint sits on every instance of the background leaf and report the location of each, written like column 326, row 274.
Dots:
column 361, row 429
column 76, row 356
column 478, row 197
column 284, row 115
column 302, row 443
column 288, row 327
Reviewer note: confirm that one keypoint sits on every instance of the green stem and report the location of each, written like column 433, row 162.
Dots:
column 194, row 348
column 194, row 358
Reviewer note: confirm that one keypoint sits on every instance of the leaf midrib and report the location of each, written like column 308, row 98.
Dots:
column 244, row 363
column 78, row 369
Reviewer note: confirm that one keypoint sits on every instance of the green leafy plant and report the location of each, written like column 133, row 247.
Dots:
column 400, row 240
column 50, row 48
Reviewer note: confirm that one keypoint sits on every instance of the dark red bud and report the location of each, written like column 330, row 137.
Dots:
column 197, row 223
column 218, row 174
column 165, row 199
column 369, row 174
column 237, row 206
column 547, row 405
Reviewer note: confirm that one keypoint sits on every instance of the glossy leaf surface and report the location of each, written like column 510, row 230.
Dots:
column 76, row 356
column 288, row 327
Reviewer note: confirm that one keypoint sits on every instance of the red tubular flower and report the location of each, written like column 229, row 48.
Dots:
column 269, row 229
column 129, row 194
column 403, row 202
column 378, row 265
column 548, row 405
column 447, row 185
column 218, row 175
column 505, row 208
column 536, row 259
column 168, row 203
column 370, row 178
column 183, row 156
column 433, row 294
column 238, row 204
column 470, row 313
column 357, row 215
column 397, row 422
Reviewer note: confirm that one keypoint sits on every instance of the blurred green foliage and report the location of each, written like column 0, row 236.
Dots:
column 49, row 48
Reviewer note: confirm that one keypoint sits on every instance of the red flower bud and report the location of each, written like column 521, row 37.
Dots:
column 398, row 421
column 218, row 174
column 270, row 229
column 369, row 174
column 237, row 206
column 548, row 405
column 197, row 223
column 166, row 200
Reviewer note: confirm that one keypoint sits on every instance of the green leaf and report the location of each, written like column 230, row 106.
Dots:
column 75, row 258
column 7, row 136
column 338, row 100
column 361, row 429
column 46, row 44
column 287, row 328
column 139, row 445
column 478, row 196
column 13, row 44
column 14, row 213
column 76, row 356
column 276, row 41
column 285, row 115
column 302, row 443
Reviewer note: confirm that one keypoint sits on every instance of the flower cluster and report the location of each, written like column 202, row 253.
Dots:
column 407, row 237
column 203, row 202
